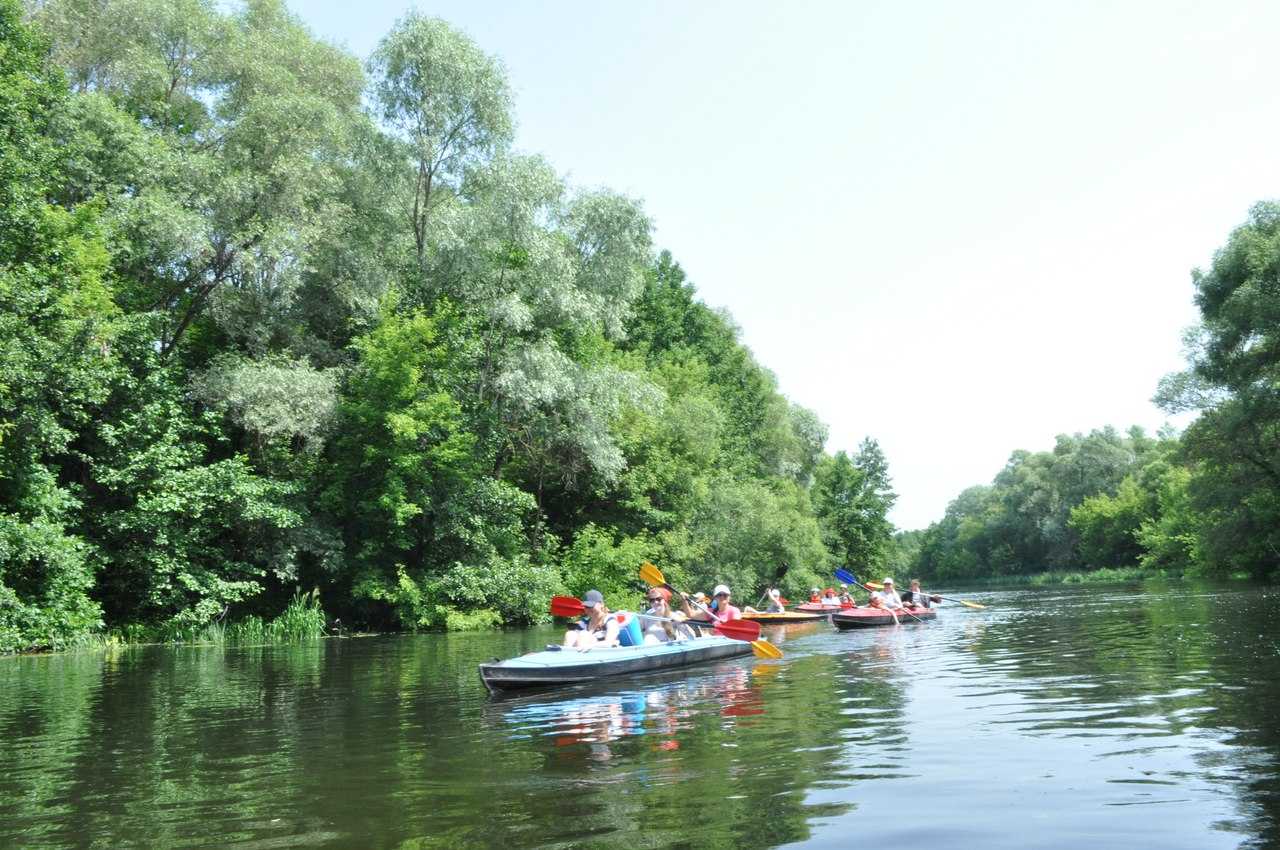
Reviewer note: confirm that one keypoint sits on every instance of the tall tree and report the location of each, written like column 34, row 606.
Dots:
column 1234, row 379
column 57, row 324
column 448, row 101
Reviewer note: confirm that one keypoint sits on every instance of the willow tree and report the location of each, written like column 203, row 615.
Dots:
column 447, row 100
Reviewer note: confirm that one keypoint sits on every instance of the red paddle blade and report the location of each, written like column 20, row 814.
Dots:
column 566, row 606
column 739, row 629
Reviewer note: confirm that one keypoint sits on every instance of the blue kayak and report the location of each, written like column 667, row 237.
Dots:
column 568, row 666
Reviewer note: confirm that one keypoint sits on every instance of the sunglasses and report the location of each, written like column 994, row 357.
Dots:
column 657, row 599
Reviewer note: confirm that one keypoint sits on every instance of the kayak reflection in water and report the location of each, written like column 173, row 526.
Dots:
column 596, row 628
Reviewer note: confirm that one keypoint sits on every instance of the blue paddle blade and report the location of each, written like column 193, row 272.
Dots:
column 847, row 577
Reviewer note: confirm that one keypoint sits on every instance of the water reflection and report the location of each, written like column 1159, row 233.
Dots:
column 1107, row 719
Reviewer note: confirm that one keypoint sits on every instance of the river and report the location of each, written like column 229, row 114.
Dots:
column 1058, row 718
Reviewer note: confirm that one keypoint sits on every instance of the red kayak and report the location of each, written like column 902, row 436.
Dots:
column 861, row 618
column 817, row 608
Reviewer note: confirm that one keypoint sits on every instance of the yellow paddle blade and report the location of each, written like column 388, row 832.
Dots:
column 764, row 649
column 970, row 604
column 649, row 574
column 874, row 585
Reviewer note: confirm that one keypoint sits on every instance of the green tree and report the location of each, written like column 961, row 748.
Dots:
column 1234, row 379
column 57, row 323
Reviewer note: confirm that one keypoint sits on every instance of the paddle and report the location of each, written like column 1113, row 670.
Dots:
column 744, row 630
column 736, row 629
column 875, row 585
column 777, row 580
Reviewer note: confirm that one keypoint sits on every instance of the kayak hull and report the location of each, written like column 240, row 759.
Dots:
column 785, row 617
column 817, row 608
column 567, row 667
column 863, row 618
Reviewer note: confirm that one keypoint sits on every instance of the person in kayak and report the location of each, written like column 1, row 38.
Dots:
column 887, row 597
column 720, row 608
column 919, row 598
column 846, row 598
column 662, row 630
column 775, row 605
column 815, row 595
column 829, row 597
column 596, row 628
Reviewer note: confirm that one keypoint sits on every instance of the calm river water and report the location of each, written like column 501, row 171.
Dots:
column 1056, row 719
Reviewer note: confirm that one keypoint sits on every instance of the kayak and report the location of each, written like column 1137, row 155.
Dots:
column 568, row 666
column 817, row 608
column 785, row 617
column 861, row 618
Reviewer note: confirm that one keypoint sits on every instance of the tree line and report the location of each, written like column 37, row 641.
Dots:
column 275, row 320
column 1205, row 502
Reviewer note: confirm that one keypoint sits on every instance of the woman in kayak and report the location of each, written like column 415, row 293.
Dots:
column 662, row 630
column 815, row 596
column 596, row 628
column 775, row 605
column 720, row 608
column 886, row 597
column 829, row 597
column 846, row 598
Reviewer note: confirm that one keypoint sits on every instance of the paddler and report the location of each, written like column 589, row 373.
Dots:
column 846, row 598
column 919, row 598
column 775, row 605
column 815, row 596
column 829, row 597
column 661, row 629
column 720, row 608
column 887, row 597
column 596, row 628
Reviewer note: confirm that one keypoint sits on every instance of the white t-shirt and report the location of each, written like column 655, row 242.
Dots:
column 655, row 630
column 888, row 598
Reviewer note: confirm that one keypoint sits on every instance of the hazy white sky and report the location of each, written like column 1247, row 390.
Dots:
column 959, row 228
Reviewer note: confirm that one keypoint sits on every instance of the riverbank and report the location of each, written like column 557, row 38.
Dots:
column 1106, row 575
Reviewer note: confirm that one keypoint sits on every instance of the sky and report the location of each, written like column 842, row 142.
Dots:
column 960, row 229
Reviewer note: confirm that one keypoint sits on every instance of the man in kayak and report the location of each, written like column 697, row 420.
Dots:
column 775, row 605
column 815, row 596
column 846, row 598
column 887, row 597
column 660, row 629
column 596, row 628
column 919, row 598
column 720, row 608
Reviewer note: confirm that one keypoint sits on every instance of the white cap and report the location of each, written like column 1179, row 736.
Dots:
column 721, row 588
column 887, row 580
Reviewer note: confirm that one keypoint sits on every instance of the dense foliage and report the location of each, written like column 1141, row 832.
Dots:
column 273, row 321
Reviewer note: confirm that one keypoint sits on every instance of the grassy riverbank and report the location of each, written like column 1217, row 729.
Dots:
column 1107, row 575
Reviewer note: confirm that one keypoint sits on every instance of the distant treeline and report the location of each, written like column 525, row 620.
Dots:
column 271, row 321
column 1204, row 503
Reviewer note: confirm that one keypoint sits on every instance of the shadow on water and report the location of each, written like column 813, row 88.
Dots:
column 1054, row 719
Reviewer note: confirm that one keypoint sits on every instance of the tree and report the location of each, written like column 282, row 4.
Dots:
column 1234, row 378
column 57, row 324
column 448, row 101
column 852, row 499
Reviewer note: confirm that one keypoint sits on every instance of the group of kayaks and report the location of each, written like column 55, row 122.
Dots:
column 558, row 667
